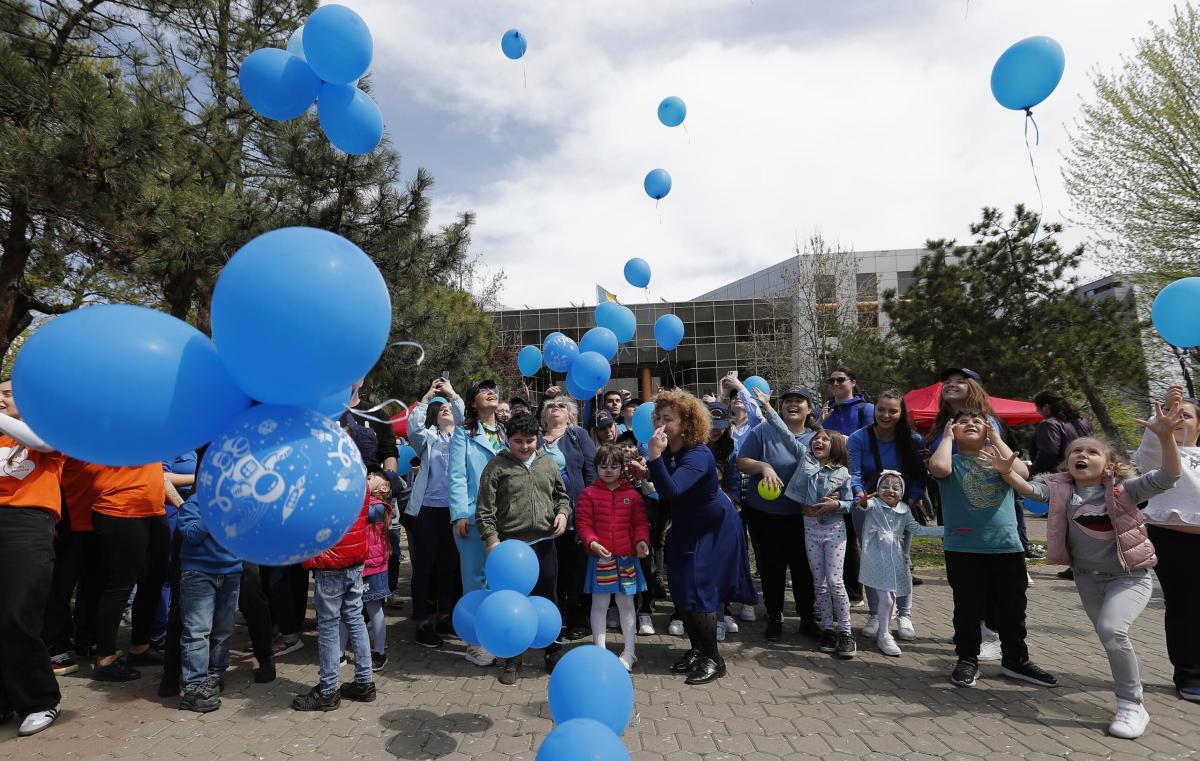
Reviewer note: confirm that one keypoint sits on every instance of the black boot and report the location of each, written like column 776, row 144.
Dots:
column 707, row 670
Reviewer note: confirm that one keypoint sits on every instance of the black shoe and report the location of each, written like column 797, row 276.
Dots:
column 828, row 641
column 216, row 683
column 378, row 661
column 687, row 663
column 201, row 698
column 508, row 671
column 707, row 670
column 1067, row 574
column 1027, row 672
column 315, row 700
column 917, row 581
column 362, row 693
column 151, row 657
column 553, row 656
column 774, row 631
column 7, row 716
column 965, row 674
column 578, row 632
column 810, row 628
column 427, row 636
column 117, row 671
column 846, row 647
column 265, row 673
column 444, row 626
column 168, row 686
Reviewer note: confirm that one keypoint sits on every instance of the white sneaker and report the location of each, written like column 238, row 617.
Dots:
column 627, row 661
column 871, row 627
column 1028, row 580
column 904, row 629
column 1129, row 723
column 887, row 645
column 645, row 624
column 613, row 620
column 39, row 720
column 731, row 626
column 747, row 613
column 859, row 603
column 676, row 628
column 989, row 648
column 721, row 631
column 479, row 656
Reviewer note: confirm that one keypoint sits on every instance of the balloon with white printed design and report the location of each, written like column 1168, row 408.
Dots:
column 280, row 485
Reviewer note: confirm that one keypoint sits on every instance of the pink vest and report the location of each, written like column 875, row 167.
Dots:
column 377, row 543
column 1134, row 549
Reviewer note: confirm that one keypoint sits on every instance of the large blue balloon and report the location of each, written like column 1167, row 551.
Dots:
column 590, row 372
column 512, row 565
column 349, row 118
column 281, row 484
column 672, row 111
column 618, row 318
column 559, row 353
column 582, row 740
column 637, row 272
column 514, row 44
column 277, row 84
column 506, row 623
column 600, row 340
column 549, row 621
column 668, row 331
column 337, row 44
column 755, row 381
column 575, row 390
column 464, row 615
column 333, row 405
column 1027, row 73
column 124, row 385
column 295, row 44
column 299, row 313
column 643, row 422
column 657, row 184
column 1174, row 313
column 590, row 682
column 529, row 360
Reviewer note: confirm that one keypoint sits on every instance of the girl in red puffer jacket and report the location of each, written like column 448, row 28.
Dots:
column 611, row 522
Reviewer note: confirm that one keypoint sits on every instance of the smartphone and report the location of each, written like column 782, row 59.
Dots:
column 445, row 375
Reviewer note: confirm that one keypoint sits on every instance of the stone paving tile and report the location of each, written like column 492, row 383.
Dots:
column 780, row 701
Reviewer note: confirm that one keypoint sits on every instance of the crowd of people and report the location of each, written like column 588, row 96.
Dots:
column 832, row 493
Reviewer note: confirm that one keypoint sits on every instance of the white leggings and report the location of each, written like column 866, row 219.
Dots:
column 626, row 609
column 825, row 545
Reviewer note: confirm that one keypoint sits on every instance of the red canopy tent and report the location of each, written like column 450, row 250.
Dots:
column 923, row 403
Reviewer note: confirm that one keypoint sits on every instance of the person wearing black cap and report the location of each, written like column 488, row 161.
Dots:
column 519, row 405
column 628, row 407
column 777, row 526
column 604, row 431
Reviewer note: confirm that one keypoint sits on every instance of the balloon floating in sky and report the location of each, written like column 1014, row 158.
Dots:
column 277, row 84
column 1174, row 313
column 514, row 44
column 1027, row 73
column 617, row 318
column 668, row 332
column 637, row 272
column 349, row 118
column 672, row 111
column 658, row 184
column 337, row 44
column 601, row 341
column 529, row 360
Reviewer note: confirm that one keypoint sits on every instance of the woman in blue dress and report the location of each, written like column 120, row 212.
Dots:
column 707, row 562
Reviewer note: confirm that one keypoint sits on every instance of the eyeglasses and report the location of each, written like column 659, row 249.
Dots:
column 838, row 380
column 556, row 405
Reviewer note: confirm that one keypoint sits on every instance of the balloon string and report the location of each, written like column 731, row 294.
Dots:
column 1187, row 377
column 525, row 76
column 689, row 134
column 1041, row 201
column 403, row 415
column 967, row 11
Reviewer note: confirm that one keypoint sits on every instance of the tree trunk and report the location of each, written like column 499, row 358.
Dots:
column 15, row 257
column 1099, row 408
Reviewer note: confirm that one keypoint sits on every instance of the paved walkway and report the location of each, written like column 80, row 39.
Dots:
column 785, row 701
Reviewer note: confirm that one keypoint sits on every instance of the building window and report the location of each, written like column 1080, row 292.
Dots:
column 904, row 282
column 867, row 284
column 868, row 316
column 826, row 289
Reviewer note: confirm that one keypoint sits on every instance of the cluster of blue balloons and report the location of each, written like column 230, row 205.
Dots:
column 1174, row 313
column 503, row 618
column 323, row 62
column 591, row 702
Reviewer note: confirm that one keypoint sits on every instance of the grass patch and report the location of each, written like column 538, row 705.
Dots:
column 927, row 553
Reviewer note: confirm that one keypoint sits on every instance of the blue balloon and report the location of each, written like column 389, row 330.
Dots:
column 577, row 391
column 124, row 385
column 299, row 313
column 643, row 422
column 514, row 44
column 404, row 460
column 1027, row 73
column 559, row 353
column 657, row 184
column 590, row 682
column 672, row 111
column 506, row 623
column 618, row 318
column 754, row 382
column 277, row 84
column 333, row 405
column 582, row 740
column 590, row 372
column 295, row 44
column 668, row 331
column 512, row 565
column 337, row 44
column 281, row 484
column 1174, row 313
column 349, row 118
column 529, row 360
column 600, row 340
column 550, row 337
column 464, row 615
column 637, row 272
column 549, row 621
column 1036, row 508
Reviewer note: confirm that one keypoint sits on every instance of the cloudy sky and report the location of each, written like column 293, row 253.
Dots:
column 870, row 121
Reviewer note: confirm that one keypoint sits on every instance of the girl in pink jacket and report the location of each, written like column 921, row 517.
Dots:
column 1094, row 526
column 375, row 579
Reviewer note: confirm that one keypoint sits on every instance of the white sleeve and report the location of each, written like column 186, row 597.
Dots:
column 23, row 433
column 1149, row 453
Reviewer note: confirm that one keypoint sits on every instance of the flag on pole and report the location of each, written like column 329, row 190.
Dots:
column 603, row 295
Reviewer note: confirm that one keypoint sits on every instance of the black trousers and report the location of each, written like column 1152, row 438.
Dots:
column 779, row 547
column 434, row 557
column 287, row 588
column 850, row 567
column 58, row 628
column 1178, row 572
column 990, row 587
column 27, row 683
column 132, row 551
column 570, row 569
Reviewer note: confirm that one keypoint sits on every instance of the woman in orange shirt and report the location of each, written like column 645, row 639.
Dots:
column 30, row 472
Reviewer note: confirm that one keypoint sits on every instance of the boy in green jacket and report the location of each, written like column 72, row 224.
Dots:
column 522, row 497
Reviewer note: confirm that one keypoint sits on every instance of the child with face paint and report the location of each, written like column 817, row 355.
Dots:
column 883, row 565
column 1095, row 526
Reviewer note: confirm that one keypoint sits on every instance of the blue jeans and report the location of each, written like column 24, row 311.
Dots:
column 338, row 601
column 207, row 602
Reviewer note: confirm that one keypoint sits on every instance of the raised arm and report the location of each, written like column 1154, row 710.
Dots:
column 1005, row 466
column 23, row 434
column 941, row 462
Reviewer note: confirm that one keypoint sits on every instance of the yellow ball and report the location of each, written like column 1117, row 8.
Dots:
column 768, row 492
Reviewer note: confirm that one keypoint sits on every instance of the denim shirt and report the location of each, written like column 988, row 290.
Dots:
column 812, row 481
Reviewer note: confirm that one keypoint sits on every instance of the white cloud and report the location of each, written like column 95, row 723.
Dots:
column 874, row 124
